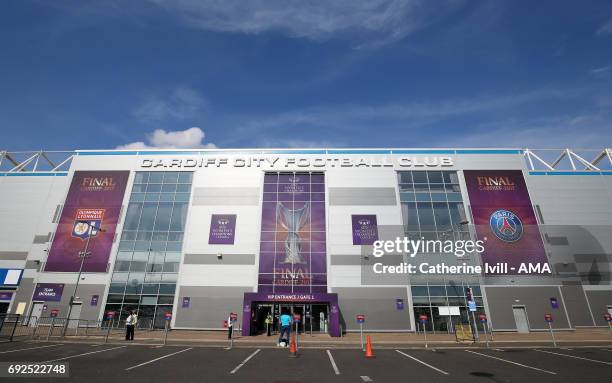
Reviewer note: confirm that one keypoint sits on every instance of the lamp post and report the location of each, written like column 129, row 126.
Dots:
column 82, row 254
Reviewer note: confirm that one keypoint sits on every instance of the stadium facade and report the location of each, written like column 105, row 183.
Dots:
column 202, row 233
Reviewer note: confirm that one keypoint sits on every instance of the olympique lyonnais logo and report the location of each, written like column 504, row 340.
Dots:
column 501, row 183
column 506, row 225
column 95, row 184
column 85, row 218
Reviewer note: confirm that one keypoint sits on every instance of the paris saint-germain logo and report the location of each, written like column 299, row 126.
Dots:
column 506, row 225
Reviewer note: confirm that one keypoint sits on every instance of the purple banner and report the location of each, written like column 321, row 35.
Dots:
column 186, row 302
column 293, row 256
column 93, row 202
column 222, row 229
column 6, row 296
column 49, row 292
column 365, row 229
column 505, row 221
column 94, row 300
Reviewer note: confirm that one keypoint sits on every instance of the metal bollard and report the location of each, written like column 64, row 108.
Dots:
column 35, row 329
column 552, row 335
column 51, row 327
column 166, row 332
column 108, row 330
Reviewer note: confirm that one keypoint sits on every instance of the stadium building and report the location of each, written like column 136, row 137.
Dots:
column 202, row 233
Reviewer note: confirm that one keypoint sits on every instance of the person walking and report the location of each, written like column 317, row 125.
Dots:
column 230, row 327
column 285, row 332
column 268, row 322
column 130, row 324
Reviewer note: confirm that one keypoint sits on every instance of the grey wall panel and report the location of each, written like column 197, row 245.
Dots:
column 599, row 301
column 85, row 292
column 33, row 265
column 41, row 238
column 536, row 300
column 362, row 196
column 213, row 259
column 203, row 196
column 345, row 259
column 13, row 255
column 577, row 307
column 209, row 306
column 23, row 294
column 557, row 241
column 377, row 304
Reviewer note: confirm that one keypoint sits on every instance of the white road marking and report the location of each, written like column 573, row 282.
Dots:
column 86, row 353
column 29, row 348
column 156, row 359
column 245, row 361
column 423, row 363
column 511, row 362
column 575, row 357
column 498, row 349
column 366, row 379
column 333, row 362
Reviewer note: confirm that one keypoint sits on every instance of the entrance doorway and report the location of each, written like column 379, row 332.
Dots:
column 313, row 316
column 36, row 313
column 520, row 317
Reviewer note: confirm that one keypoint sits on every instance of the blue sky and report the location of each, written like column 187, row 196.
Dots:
column 378, row 73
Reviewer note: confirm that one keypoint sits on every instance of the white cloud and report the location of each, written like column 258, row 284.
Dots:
column 572, row 130
column 179, row 104
column 605, row 29
column 602, row 71
column 380, row 20
column 192, row 138
column 268, row 142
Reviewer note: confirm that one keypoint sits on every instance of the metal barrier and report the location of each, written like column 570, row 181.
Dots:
column 15, row 326
column 21, row 327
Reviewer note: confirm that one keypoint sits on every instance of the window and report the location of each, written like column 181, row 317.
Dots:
column 432, row 208
column 147, row 264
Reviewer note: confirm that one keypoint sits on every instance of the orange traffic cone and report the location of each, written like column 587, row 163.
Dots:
column 293, row 348
column 369, row 353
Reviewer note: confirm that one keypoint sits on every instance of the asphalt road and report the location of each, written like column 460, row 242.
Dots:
column 146, row 363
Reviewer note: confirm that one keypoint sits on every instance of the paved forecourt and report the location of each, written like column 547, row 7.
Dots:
column 146, row 363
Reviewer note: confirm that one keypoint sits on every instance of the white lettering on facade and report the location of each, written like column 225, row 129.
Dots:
column 299, row 162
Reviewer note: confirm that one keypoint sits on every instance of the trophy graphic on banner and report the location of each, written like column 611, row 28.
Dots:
column 292, row 221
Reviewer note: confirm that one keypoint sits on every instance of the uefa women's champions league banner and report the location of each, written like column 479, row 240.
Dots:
column 505, row 221
column 93, row 203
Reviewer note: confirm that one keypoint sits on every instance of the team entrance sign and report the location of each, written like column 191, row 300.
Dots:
column 48, row 292
column 94, row 201
column 505, row 221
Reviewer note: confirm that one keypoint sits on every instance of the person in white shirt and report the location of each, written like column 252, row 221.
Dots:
column 230, row 327
column 130, row 324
